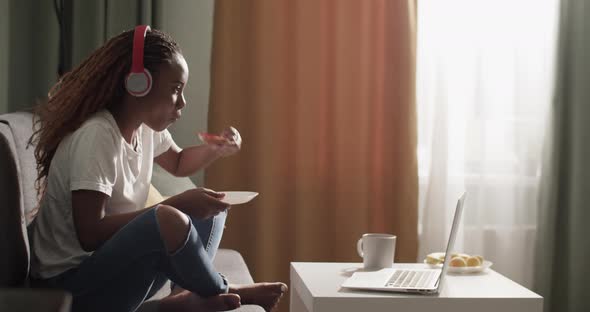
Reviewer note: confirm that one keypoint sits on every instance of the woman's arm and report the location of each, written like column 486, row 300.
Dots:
column 200, row 203
column 92, row 226
column 185, row 162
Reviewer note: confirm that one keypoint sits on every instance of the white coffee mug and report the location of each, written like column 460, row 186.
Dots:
column 377, row 250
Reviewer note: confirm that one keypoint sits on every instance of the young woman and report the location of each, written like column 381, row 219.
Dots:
column 97, row 137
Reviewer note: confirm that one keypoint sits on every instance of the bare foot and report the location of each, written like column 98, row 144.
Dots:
column 266, row 295
column 188, row 301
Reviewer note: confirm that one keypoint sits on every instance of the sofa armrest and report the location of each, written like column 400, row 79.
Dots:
column 28, row 299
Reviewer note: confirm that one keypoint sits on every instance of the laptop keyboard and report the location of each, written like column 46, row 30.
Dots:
column 411, row 279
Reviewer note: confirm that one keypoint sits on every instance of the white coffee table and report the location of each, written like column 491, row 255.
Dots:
column 315, row 287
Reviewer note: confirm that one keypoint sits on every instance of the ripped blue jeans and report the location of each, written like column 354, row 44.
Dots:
column 134, row 264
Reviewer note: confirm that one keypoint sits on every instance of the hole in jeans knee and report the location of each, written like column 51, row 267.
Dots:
column 174, row 227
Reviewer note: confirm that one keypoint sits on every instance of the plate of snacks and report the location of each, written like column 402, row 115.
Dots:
column 460, row 262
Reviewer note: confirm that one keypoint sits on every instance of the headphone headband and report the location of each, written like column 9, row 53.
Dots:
column 139, row 80
column 138, row 45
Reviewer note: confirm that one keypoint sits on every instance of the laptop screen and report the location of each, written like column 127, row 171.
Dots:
column 452, row 236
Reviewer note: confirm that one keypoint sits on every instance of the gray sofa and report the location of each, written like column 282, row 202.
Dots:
column 18, row 199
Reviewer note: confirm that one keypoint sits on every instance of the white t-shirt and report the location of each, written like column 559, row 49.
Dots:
column 94, row 157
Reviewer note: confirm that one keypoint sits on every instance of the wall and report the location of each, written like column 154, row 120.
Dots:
column 191, row 24
column 4, row 22
column 30, row 51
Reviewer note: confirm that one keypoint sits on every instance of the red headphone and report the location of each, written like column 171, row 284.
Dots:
column 139, row 80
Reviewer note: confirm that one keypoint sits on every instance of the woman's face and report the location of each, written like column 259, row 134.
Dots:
column 165, row 100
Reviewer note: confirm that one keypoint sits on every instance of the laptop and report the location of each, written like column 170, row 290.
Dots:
column 399, row 279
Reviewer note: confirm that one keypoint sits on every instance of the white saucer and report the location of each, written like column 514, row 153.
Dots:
column 236, row 198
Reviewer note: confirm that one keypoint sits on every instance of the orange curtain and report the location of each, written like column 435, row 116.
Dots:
column 323, row 93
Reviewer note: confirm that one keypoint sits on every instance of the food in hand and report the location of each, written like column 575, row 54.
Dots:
column 212, row 138
column 458, row 262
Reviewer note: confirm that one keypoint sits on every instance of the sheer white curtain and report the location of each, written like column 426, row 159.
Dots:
column 484, row 85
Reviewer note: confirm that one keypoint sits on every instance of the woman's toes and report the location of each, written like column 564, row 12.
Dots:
column 221, row 302
column 232, row 301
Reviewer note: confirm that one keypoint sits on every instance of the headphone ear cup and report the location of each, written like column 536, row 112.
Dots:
column 139, row 84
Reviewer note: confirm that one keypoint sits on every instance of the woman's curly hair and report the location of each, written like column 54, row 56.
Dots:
column 97, row 83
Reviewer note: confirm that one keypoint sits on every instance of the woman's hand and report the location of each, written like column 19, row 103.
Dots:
column 200, row 203
column 233, row 144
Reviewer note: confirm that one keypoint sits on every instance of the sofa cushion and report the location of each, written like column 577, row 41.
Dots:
column 231, row 264
column 169, row 185
column 154, row 197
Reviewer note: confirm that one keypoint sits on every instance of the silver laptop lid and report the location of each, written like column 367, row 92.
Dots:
column 452, row 236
